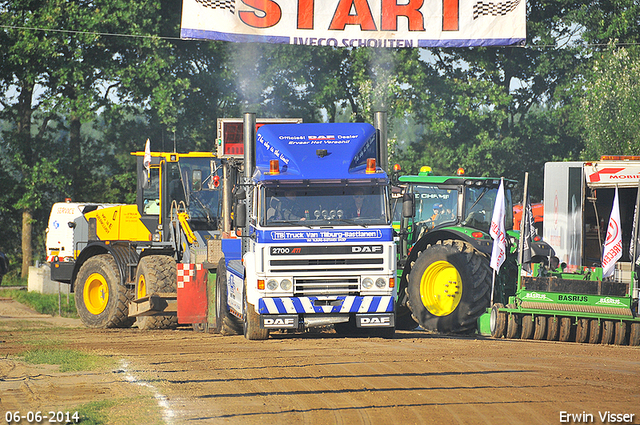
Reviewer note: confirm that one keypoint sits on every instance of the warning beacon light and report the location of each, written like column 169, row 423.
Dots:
column 397, row 168
column 460, row 171
column 371, row 165
column 274, row 167
column 425, row 170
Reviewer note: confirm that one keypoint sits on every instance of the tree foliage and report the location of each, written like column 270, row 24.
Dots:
column 84, row 83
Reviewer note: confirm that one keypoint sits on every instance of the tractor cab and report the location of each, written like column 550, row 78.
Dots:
column 179, row 188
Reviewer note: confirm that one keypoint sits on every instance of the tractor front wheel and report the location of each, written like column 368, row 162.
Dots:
column 156, row 274
column 101, row 301
column 449, row 287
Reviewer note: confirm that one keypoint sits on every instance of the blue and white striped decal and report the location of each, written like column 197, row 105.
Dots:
column 350, row 304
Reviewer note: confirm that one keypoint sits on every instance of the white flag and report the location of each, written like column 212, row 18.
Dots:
column 147, row 156
column 497, row 231
column 613, row 245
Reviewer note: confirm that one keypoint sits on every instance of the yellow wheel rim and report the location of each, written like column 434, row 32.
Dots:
column 141, row 289
column 96, row 293
column 441, row 288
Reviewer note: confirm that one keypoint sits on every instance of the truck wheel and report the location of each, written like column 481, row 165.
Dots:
column 608, row 331
column 226, row 324
column 540, row 328
column 565, row 329
column 252, row 330
column 634, row 336
column 513, row 327
column 594, row 331
column 582, row 330
column 101, row 301
column 553, row 328
column 449, row 287
column 621, row 333
column 527, row 327
column 156, row 274
column 497, row 321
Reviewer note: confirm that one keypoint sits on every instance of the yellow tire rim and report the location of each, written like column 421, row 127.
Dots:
column 96, row 293
column 441, row 288
column 141, row 288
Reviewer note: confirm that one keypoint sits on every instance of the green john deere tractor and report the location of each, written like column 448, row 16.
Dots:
column 444, row 250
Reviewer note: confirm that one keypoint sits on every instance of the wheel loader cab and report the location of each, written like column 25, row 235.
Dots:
column 175, row 184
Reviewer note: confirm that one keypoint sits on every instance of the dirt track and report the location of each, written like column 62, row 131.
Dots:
column 178, row 377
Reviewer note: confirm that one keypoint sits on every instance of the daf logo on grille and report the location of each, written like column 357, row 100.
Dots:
column 375, row 249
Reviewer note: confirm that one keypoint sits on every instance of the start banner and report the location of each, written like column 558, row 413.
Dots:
column 358, row 23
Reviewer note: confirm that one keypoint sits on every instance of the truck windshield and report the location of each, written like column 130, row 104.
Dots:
column 478, row 208
column 194, row 188
column 435, row 205
column 324, row 205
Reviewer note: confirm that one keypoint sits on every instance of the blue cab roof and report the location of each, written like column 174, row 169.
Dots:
column 316, row 151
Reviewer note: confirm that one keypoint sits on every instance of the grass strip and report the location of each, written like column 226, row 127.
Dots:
column 43, row 303
column 69, row 360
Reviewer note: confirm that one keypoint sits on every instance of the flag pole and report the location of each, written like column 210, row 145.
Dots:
column 634, row 243
column 522, row 219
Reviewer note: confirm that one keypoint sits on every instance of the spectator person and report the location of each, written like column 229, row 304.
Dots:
column 4, row 265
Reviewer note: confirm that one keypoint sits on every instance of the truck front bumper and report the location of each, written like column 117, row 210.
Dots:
column 327, row 305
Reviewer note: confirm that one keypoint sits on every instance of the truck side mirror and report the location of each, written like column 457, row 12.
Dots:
column 407, row 205
column 241, row 214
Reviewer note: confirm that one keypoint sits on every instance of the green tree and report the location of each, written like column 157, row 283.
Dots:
column 610, row 107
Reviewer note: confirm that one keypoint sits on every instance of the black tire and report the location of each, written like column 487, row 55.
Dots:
column 449, row 287
column 156, row 274
column 540, row 328
column 527, row 327
column 621, row 333
column 226, row 323
column 553, row 328
column 513, row 327
column 634, row 335
column 565, row 329
column 101, row 301
column 582, row 330
column 252, row 330
column 595, row 330
column 608, row 332
column 404, row 321
column 498, row 321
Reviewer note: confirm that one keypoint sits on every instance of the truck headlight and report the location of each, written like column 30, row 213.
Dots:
column 272, row 284
column 367, row 283
column 286, row 285
column 381, row 283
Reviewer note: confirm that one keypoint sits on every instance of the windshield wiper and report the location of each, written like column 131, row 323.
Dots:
column 291, row 222
column 344, row 220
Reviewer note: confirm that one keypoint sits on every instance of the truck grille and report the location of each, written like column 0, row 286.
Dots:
column 327, row 264
column 326, row 286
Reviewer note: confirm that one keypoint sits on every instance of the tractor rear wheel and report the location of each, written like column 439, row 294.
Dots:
column 226, row 323
column 101, row 301
column 553, row 328
column 498, row 321
column 449, row 287
column 608, row 331
column 156, row 274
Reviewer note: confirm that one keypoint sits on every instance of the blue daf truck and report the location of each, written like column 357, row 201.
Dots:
column 311, row 243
